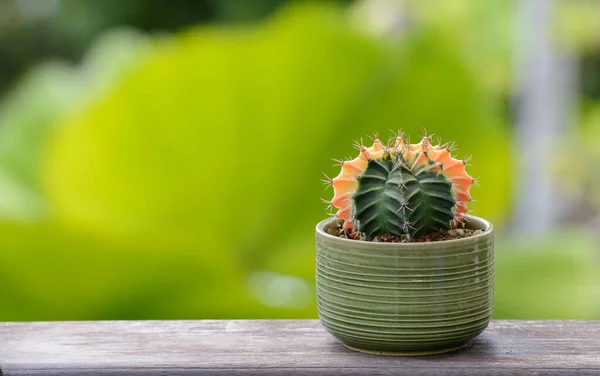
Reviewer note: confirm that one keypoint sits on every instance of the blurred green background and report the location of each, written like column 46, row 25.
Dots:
column 161, row 159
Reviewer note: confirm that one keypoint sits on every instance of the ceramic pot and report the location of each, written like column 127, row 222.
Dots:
column 405, row 298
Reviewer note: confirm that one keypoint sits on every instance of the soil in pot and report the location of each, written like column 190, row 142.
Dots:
column 335, row 228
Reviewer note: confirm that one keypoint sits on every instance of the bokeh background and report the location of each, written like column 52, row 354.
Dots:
column 162, row 159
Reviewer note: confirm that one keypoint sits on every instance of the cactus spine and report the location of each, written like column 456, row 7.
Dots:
column 401, row 189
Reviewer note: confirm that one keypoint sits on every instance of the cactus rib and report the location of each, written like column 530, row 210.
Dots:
column 378, row 201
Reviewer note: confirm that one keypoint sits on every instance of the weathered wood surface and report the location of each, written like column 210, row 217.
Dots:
column 282, row 348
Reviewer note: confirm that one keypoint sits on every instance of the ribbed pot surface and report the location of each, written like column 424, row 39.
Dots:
column 406, row 298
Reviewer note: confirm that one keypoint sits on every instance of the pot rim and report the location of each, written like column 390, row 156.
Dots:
column 488, row 230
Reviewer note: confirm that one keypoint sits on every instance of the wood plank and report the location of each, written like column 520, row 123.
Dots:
column 282, row 347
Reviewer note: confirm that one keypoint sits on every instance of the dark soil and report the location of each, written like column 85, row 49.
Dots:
column 335, row 228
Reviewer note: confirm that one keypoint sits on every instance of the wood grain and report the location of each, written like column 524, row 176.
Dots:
column 282, row 348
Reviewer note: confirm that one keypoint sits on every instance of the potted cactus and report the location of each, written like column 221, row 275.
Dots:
column 401, row 268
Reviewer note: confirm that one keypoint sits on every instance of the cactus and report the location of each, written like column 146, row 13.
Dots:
column 401, row 189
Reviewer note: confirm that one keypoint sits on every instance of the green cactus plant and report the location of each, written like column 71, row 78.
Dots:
column 401, row 189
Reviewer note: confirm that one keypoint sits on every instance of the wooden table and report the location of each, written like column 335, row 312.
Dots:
column 282, row 348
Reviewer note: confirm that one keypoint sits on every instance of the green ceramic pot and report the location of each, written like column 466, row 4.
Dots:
column 406, row 298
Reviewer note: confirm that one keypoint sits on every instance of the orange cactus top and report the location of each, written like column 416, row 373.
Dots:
column 417, row 156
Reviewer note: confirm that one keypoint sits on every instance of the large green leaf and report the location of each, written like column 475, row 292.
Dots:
column 224, row 132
